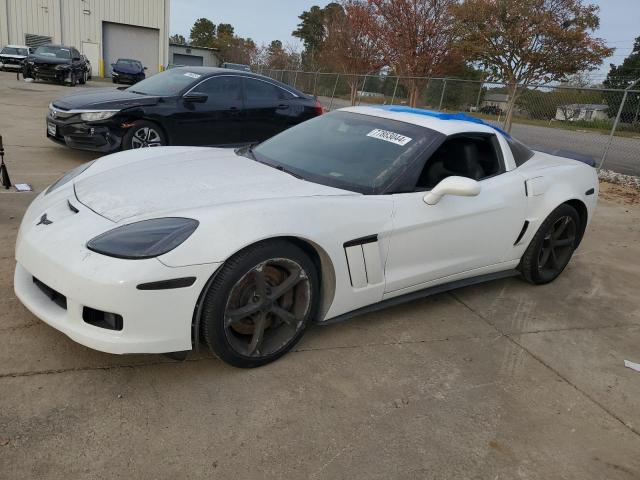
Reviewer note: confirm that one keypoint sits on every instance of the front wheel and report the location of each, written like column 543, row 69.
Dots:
column 143, row 134
column 260, row 303
column 552, row 246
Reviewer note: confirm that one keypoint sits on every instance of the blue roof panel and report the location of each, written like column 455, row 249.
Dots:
column 442, row 116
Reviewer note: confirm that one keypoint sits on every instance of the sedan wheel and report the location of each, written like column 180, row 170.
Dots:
column 552, row 246
column 146, row 137
column 260, row 303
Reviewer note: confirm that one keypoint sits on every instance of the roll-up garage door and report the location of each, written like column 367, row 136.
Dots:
column 187, row 60
column 129, row 41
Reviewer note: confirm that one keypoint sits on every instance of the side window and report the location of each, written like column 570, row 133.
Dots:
column 220, row 89
column 475, row 156
column 75, row 53
column 521, row 153
column 259, row 91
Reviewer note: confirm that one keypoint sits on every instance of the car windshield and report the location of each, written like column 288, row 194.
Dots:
column 55, row 52
column 346, row 150
column 167, row 83
column 14, row 51
column 129, row 63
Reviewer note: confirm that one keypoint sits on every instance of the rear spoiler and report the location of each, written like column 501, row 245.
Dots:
column 581, row 157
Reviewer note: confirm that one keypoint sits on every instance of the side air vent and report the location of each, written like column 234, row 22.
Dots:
column 364, row 261
column 522, row 232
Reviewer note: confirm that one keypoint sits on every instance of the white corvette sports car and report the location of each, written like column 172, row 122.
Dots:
column 157, row 250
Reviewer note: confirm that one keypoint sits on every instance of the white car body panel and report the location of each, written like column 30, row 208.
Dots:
column 371, row 247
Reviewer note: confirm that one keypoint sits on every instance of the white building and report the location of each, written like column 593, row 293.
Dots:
column 582, row 111
column 103, row 30
column 187, row 55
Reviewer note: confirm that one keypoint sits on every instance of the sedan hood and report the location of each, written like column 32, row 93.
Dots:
column 49, row 60
column 161, row 181
column 104, row 98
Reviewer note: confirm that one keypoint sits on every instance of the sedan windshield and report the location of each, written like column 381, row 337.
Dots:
column 54, row 52
column 347, row 150
column 129, row 63
column 166, row 84
column 14, row 51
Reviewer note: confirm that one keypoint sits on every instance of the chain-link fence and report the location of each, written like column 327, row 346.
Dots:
column 602, row 123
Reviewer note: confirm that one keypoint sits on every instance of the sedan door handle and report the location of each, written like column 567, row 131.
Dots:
column 283, row 106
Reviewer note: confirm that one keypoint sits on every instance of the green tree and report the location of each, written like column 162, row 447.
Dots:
column 621, row 77
column 203, row 33
column 312, row 30
column 177, row 38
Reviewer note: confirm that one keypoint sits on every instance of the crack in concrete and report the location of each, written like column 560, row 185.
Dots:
column 546, row 365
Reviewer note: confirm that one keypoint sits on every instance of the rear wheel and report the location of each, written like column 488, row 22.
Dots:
column 552, row 246
column 143, row 134
column 260, row 304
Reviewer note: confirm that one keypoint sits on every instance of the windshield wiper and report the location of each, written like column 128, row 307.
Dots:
column 248, row 151
column 282, row 169
column 135, row 91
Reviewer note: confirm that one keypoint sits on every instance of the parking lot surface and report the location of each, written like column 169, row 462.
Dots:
column 503, row 380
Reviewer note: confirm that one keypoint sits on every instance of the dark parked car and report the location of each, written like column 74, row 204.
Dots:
column 182, row 106
column 491, row 110
column 57, row 63
column 126, row 70
column 12, row 56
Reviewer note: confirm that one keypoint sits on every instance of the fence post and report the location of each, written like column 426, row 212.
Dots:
column 295, row 79
column 616, row 122
column 479, row 95
column 335, row 86
column 444, row 87
column 394, row 90
column 315, row 84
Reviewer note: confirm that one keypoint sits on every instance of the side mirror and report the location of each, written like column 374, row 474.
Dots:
column 76, row 59
column 460, row 186
column 144, row 68
column 195, row 97
column 113, row 65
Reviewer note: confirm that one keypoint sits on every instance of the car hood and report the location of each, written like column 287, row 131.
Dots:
column 126, row 69
column 155, row 182
column 104, row 98
column 46, row 60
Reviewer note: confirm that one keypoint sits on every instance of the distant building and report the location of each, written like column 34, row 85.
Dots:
column 362, row 93
column 496, row 100
column 102, row 30
column 582, row 111
column 187, row 55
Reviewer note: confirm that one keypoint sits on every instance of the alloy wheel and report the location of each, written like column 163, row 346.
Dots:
column 266, row 308
column 557, row 246
column 146, row 137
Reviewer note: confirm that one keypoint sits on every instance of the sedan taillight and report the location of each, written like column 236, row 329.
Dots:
column 319, row 109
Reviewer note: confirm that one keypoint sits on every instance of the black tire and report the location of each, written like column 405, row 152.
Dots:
column 232, row 335
column 73, row 80
column 552, row 246
column 143, row 133
column 114, row 80
column 83, row 78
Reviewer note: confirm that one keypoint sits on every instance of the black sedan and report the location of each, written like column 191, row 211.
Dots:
column 57, row 63
column 126, row 70
column 182, row 106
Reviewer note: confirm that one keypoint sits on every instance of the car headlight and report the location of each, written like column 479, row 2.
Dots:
column 96, row 116
column 115, row 74
column 67, row 177
column 145, row 239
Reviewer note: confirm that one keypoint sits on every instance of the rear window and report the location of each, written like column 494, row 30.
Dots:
column 521, row 153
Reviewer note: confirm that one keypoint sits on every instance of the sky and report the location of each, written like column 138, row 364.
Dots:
column 266, row 20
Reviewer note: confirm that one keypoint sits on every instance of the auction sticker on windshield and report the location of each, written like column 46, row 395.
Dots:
column 192, row 75
column 388, row 136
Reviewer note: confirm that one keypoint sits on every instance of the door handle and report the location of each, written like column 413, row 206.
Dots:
column 283, row 106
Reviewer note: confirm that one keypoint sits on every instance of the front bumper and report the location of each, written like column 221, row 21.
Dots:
column 102, row 138
column 9, row 65
column 127, row 78
column 154, row 321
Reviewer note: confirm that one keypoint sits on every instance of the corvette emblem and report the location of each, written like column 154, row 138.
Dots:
column 44, row 220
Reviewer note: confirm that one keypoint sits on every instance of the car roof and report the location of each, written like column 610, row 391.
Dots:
column 446, row 123
column 15, row 46
column 212, row 71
